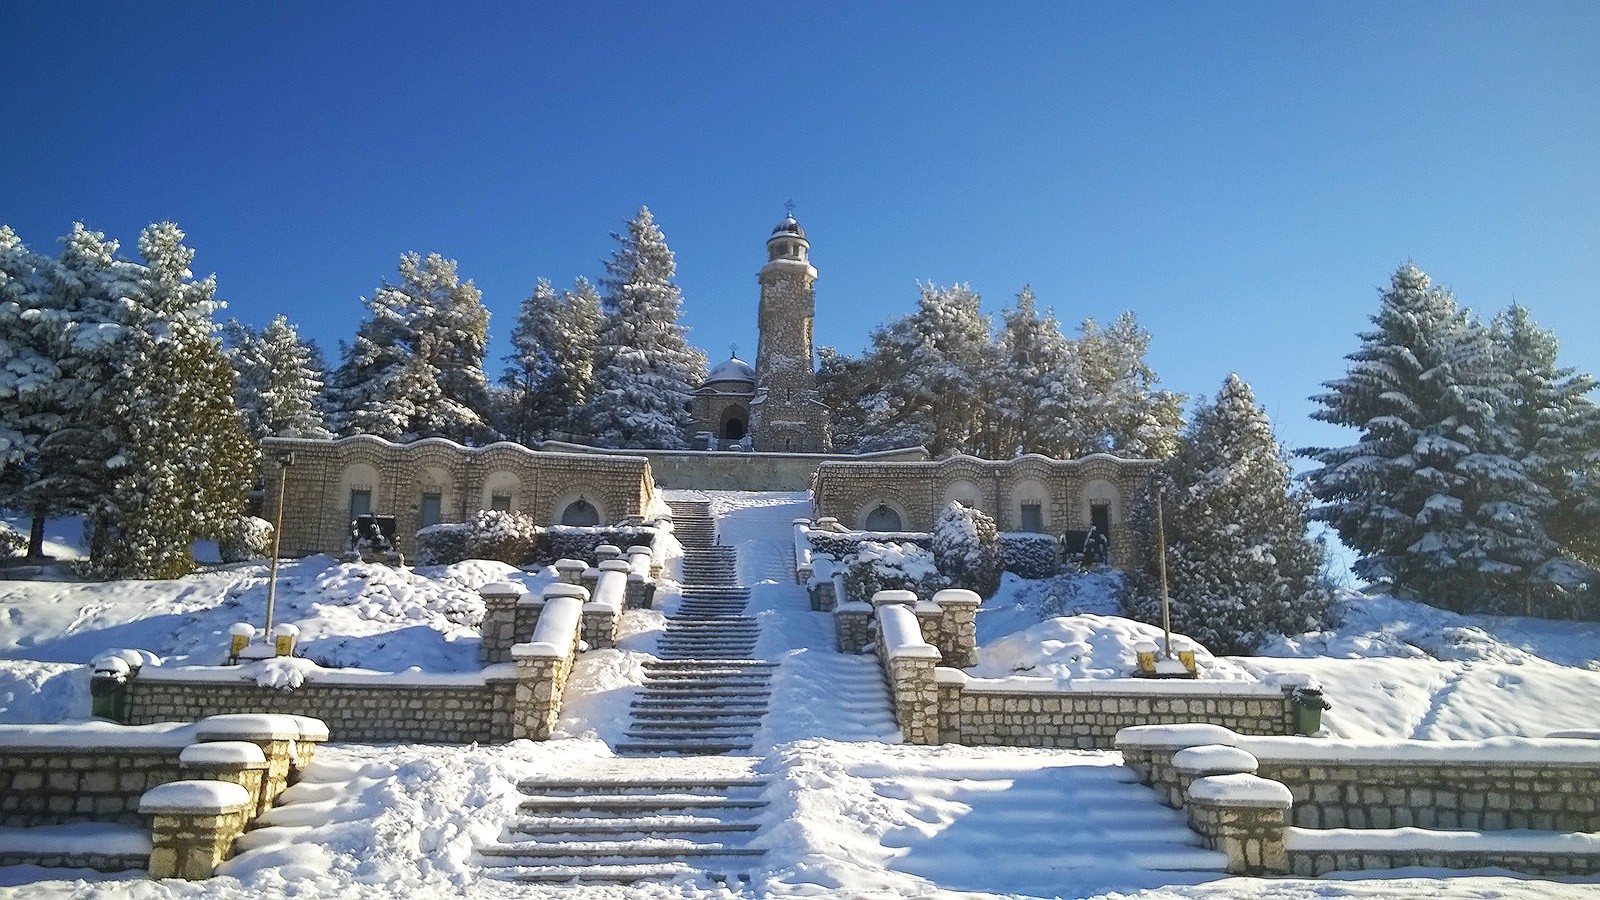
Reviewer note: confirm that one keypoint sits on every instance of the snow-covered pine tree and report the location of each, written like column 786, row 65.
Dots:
column 1429, row 494
column 279, row 384
column 183, row 460
column 27, row 374
column 550, row 371
column 1555, row 434
column 1119, row 409
column 644, row 370
column 842, row 383
column 415, row 368
column 1032, row 385
column 926, row 374
column 1240, row 564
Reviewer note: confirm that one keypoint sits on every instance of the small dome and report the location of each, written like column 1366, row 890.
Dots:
column 789, row 226
column 732, row 369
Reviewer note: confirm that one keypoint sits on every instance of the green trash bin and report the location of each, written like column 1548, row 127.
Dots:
column 108, row 689
column 1308, row 707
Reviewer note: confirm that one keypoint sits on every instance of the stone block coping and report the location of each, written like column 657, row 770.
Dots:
column 196, row 797
column 615, row 565
column 311, row 729
column 902, row 637
column 1423, row 840
column 314, row 674
column 957, row 597
column 1499, row 751
column 1213, row 759
column 222, row 753
column 1240, row 789
column 1173, row 737
column 1033, row 684
column 883, row 598
column 503, row 589
column 566, row 590
column 256, row 726
column 77, row 838
column 97, row 735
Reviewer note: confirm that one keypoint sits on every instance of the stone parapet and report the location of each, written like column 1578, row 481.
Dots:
column 852, row 627
column 543, row 666
column 1245, row 817
column 909, row 664
column 1312, row 854
column 195, row 824
column 236, row 762
column 62, row 785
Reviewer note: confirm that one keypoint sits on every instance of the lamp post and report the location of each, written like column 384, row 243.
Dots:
column 1161, row 568
column 285, row 460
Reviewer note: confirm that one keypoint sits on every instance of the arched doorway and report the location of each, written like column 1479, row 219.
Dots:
column 882, row 518
column 733, row 429
column 580, row 512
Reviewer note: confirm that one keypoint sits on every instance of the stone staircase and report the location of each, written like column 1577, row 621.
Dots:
column 633, row 821
column 704, row 694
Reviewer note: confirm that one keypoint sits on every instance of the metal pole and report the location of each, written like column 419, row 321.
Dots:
column 1161, row 568
column 284, row 461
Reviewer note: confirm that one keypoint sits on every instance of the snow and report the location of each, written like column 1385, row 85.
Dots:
column 1213, row 759
column 76, row 838
column 1421, row 839
column 854, row 812
column 1241, row 789
column 193, row 796
column 221, row 753
column 95, row 734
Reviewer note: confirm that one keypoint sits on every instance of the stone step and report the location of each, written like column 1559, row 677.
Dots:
column 712, row 684
column 694, row 748
column 592, row 786
column 615, row 874
column 634, row 804
column 710, row 719
column 744, row 664
column 729, row 704
column 534, row 827
column 615, row 851
column 685, row 725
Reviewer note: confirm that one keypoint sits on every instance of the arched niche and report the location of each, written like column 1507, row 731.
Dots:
column 1100, row 492
column 581, row 508
column 1029, row 499
column 501, row 490
column 964, row 491
column 881, row 515
column 359, row 490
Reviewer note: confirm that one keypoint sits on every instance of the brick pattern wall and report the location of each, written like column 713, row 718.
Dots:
column 1090, row 721
column 316, row 494
column 1454, row 795
column 104, row 862
column 55, row 786
column 845, row 490
column 357, row 713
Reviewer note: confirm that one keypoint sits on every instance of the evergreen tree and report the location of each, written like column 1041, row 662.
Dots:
column 926, row 374
column 1033, row 386
column 279, row 384
column 1555, row 435
column 27, row 375
column 1119, row 409
column 1240, row 564
column 842, row 382
column 550, row 370
column 1430, row 494
column 415, row 368
column 966, row 549
column 644, row 370
column 183, row 461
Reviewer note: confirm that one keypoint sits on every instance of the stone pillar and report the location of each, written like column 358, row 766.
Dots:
column 544, row 664
column 951, row 682
column 897, row 598
column 194, row 826
column 499, row 627
column 236, row 762
column 641, row 592
column 908, row 662
column 606, row 552
column 570, row 571
column 274, row 734
column 958, row 626
column 312, row 732
column 1193, row 763
column 603, row 613
column 852, row 627
column 1245, row 817
column 1148, row 749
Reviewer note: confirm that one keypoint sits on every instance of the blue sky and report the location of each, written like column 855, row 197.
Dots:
column 1242, row 176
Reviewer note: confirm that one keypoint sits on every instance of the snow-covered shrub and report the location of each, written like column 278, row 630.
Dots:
column 509, row 537
column 575, row 542
column 443, row 544
column 840, row 545
column 1030, row 555
column 885, row 566
column 966, row 548
column 248, row 538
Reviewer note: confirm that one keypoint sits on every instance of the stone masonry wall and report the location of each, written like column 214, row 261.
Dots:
column 1089, row 720
column 316, row 517
column 54, row 786
column 455, row 714
column 918, row 491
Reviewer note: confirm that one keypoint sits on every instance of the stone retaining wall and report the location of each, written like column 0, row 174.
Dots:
column 56, row 786
column 360, row 713
column 731, row 470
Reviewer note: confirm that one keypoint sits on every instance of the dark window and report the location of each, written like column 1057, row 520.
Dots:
column 501, row 502
column 733, row 429
column 1032, row 518
column 882, row 519
column 1100, row 517
column 360, row 503
column 432, row 509
column 580, row 512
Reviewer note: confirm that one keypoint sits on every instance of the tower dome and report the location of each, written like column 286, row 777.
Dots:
column 788, row 242
column 789, row 225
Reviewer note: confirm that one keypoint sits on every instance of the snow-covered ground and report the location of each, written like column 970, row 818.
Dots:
column 854, row 813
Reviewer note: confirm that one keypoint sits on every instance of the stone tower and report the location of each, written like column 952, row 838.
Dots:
column 786, row 414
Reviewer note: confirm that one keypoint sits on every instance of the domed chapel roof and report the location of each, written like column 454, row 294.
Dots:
column 732, row 369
